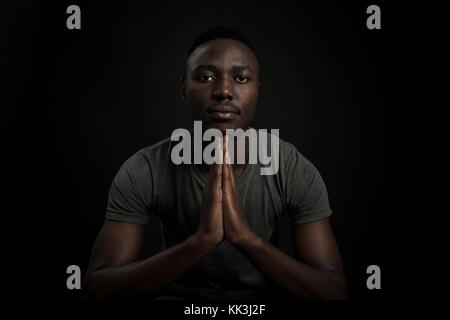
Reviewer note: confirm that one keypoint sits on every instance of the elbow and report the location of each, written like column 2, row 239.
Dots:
column 333, row 293
column 91, row 288
column 337, row 289
column 340, row 294
column 88, row 294
column 344, row 292
column 333, row 287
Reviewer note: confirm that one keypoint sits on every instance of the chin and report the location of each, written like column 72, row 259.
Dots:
column 222, row 126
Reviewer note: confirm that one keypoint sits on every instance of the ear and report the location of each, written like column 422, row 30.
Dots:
column 183, row 89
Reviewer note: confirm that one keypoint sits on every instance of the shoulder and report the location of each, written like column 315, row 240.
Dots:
column 289, row 154
column 293, row 161
column 155, row 155
column 156, row 150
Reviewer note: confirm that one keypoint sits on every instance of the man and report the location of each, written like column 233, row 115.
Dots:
column 219, row 221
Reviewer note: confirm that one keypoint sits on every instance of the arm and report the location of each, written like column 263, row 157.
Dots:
column 115, row 272
column 317, row 275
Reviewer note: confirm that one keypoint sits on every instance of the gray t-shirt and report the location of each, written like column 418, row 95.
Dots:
column 148, row 183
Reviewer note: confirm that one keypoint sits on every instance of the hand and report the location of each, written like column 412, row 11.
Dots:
column 236, row 226
column 210, row 229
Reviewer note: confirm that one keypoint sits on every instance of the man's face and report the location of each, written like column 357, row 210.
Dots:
column 221, row 84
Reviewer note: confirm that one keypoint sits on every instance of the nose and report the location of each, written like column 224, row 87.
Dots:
column 223, row 90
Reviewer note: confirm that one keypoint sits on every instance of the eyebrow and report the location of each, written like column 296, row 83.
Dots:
column 214, row 68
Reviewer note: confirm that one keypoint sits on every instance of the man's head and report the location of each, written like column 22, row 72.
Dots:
column 221, row 82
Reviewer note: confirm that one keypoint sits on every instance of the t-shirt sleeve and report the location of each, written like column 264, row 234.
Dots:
column 306, row 193
column 130, row 194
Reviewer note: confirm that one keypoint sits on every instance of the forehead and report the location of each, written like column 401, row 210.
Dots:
column 223, row 53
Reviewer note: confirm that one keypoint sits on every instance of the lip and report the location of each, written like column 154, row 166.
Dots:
column 223, row 112
column 220, row 115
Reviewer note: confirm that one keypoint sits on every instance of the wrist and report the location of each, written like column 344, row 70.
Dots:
column 200, row 244
column 248, row 241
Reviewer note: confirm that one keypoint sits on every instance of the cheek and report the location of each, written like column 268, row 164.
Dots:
column 196, row 97
column 250, row 96
column 199, row 91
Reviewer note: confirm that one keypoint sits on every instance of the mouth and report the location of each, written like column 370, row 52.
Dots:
column 226, row 112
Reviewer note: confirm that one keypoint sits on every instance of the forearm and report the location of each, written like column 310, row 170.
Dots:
column 302, row 280
column 146, row 277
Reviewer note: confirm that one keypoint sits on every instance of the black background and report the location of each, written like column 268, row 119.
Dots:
column 83, row 101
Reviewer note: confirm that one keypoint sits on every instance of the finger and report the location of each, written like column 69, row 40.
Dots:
column 220, row 148
column 225, row 149
column 230, row 164
column 216, row 177
column 227, row 170
column 217, row 171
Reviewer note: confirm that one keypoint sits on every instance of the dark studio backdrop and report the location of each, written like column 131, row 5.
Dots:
column 86, row 100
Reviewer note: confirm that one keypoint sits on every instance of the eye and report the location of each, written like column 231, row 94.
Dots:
column 205, row 77
column 241, row 79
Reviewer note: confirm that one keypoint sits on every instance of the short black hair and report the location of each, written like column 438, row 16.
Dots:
column 220, row 32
